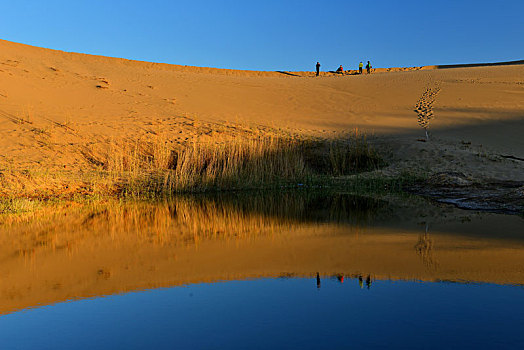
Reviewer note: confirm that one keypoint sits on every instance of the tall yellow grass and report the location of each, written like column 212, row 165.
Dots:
column 352, row 154
column 155, row 166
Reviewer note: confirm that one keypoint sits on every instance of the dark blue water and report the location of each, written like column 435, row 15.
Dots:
column 280, row 314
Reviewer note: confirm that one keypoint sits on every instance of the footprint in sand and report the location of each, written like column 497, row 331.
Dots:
column 424, row 107
column 103, row 83
column 11, row 63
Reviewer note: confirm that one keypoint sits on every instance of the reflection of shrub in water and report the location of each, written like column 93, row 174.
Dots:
column 424, row 249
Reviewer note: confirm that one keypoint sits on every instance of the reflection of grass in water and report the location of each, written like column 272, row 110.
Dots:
column 186, row 220
column 174, row 223
column 299, row 206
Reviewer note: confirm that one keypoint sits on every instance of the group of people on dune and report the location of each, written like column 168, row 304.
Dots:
column 340, row 70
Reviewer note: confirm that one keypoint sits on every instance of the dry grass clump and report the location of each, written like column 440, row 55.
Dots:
column 238, row 163
column 235, row 163
column 154, row 166
column 17, row 206
column 40, row 184
column 353, row 154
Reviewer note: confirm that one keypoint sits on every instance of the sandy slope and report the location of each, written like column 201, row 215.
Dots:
column 54, row 104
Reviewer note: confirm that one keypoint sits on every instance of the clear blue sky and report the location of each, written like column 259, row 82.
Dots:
column 274, row 34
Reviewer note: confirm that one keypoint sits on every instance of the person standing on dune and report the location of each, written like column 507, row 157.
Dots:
column 368, row 67
column 318, row 68
column 360, row 65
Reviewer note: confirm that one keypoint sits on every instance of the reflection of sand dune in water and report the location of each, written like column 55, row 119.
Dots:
column 132, row 247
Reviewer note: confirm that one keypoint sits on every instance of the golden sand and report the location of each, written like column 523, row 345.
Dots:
column 58, row 110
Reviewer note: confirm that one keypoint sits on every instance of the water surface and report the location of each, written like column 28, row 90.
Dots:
column 280, row 313
column 288, row 270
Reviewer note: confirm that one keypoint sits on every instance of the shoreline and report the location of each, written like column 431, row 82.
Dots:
column 501, row 197
column 74, row 125
column 285, row 162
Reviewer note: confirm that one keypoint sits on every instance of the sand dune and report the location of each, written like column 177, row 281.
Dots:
column 57, row 107
column 54, row 105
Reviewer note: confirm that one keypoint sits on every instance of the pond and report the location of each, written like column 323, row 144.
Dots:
column 262, row 270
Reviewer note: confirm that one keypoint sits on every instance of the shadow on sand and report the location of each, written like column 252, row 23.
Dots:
column 287, row 73
column 469, row 65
